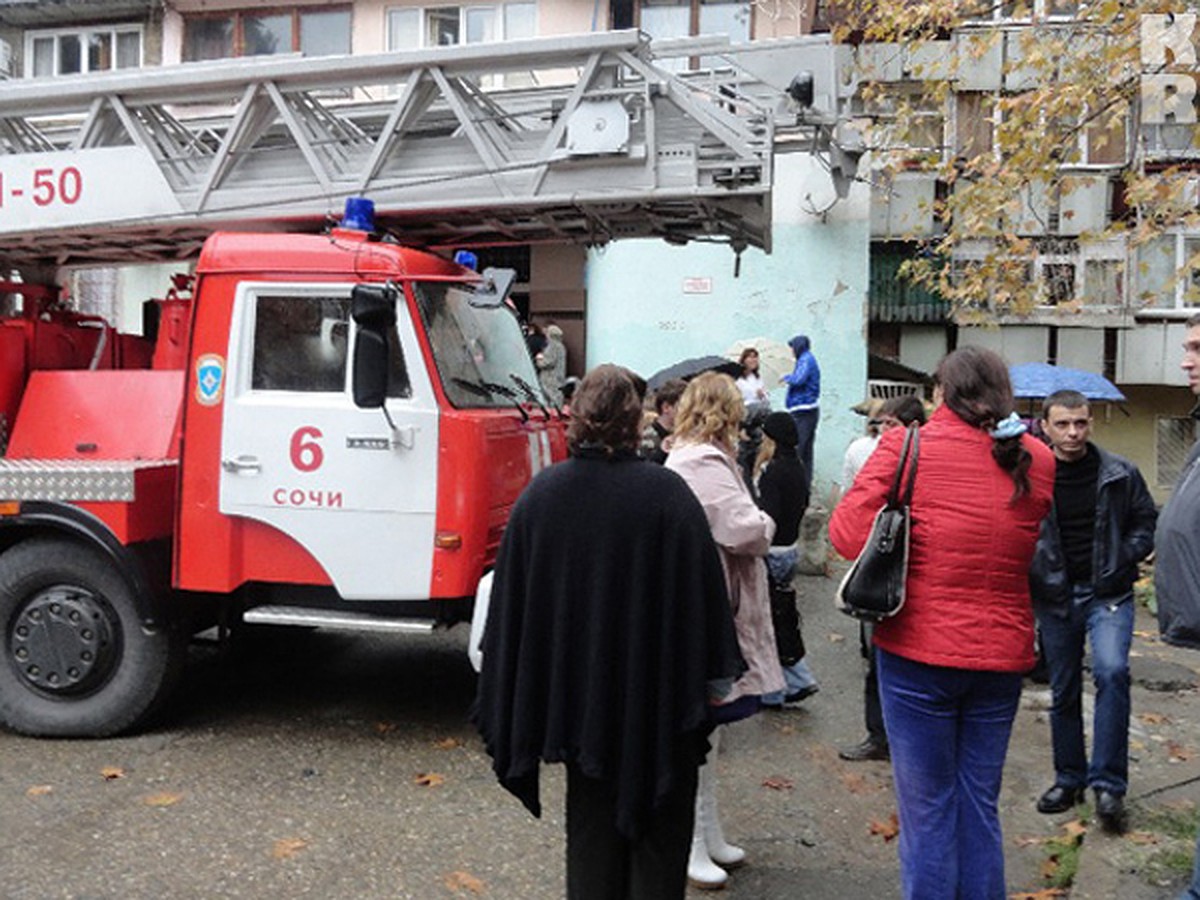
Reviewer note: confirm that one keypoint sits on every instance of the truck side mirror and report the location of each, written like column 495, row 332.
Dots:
column 373, row 308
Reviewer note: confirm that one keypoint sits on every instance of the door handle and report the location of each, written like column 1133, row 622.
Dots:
column 242, row 464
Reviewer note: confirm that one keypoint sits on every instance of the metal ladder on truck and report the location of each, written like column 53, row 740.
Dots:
column 569, row 139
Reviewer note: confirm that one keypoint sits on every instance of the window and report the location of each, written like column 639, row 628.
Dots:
column 481, row 356
column 80, row 50
column 301, row 344
column 1168, row 274
column 1020, row 10
column 973, row 124
column 1173, row 439
column 313, row 32
column 413, row 28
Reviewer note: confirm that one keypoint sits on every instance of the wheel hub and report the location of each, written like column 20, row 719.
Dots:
column 61, row 641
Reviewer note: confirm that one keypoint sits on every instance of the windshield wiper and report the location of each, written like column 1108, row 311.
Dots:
column 532, row 394
column 478, row 388
column 505, row 391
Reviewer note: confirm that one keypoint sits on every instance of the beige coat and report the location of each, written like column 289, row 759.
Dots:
column 743, row 535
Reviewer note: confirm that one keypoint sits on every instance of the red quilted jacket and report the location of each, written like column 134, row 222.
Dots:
column 967, row 603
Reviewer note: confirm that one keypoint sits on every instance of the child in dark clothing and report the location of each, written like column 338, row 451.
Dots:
column 783, row 495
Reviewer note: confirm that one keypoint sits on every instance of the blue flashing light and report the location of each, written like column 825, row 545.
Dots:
column 359, row 215
column 466, row 258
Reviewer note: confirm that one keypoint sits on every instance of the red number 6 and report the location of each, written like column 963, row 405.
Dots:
column 307, row 454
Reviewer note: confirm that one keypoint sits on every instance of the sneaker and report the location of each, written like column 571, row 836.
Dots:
column 803, row 694
column 868, row 749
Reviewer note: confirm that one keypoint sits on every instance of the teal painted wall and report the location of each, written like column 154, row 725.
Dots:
column 814, row 282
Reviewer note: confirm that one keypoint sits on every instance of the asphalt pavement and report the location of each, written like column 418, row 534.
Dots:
column 320, row 765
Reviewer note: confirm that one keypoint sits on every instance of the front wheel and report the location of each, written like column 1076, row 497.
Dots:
column 77, row 661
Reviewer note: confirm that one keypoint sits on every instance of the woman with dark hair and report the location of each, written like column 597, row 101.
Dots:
column 950, row 662
column 608, row 636
column 704, row 442
column 758, row 407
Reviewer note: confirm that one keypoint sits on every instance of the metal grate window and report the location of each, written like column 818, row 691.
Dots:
column 1173, row 439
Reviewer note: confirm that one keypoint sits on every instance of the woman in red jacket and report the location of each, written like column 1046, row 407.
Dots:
column 950, row 663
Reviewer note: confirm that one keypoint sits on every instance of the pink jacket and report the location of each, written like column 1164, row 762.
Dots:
column 743, row 535
column 967, row 604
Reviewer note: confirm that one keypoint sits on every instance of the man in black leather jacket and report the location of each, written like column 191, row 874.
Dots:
column 1081, row 578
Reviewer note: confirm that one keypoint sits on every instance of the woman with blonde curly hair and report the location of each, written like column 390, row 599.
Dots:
column 703, row 451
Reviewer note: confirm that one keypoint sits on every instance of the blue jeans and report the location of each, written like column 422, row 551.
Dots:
column 806, row 434
column 1193, row 891
column 1108, row 627
column 948, row 730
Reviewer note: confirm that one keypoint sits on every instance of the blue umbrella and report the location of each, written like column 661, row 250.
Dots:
column 1042, row 379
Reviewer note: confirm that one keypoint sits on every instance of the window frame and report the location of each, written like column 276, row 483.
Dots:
column 83, row 32
column 240, row 14
column 498, row 10
column 1180, row 308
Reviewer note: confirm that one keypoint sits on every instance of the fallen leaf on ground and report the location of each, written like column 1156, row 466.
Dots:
column 1149, row 635
column 112, row 773
column 778, row 783
column 1049, row 867
column 385, row 727
column 1178, row 752
column 447, row 743
column 855, row 783
column 286, row 848
column 165, row 798
column 835, row 638
column 1046, row 894
column 1153, row 718
column 429, row 779
column 458, row 881
column 1076, row 828
column 1141, row 837
column 39, row 790
column 886, row 830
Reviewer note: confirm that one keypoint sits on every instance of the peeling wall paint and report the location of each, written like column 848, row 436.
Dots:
column 814, row 282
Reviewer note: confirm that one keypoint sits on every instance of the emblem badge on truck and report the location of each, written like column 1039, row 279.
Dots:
column 210, row 379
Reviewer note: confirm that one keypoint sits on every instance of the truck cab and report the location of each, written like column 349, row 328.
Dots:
column 332, row 431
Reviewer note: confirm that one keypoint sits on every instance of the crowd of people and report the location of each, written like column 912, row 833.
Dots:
column 644, row 598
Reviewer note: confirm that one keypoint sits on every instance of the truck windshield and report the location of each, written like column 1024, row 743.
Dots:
column 480, row 353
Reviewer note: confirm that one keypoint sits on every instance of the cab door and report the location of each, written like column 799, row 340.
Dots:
column 300, row 457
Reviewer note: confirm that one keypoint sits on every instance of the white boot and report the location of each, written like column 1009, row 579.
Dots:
column 702, row 872
column 719, row 850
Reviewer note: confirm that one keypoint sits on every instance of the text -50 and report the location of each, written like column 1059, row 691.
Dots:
column 48, row 186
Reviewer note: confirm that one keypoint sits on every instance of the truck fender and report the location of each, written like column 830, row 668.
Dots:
column 43, row 517
column 483, row 599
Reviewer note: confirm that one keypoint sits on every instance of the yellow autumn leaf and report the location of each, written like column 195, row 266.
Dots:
column 447, row 743
column 39, row 790
column 286, row 848
column 112, row 773
column 163, row 798
column 429, row 779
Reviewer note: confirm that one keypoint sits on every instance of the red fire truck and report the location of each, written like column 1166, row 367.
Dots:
column 323, row 430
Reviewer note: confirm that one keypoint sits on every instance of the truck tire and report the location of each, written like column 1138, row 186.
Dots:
column 77, row 661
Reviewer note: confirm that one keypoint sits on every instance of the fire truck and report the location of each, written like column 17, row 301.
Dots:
column 318, row 426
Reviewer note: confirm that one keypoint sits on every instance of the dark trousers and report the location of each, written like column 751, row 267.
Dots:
column 603, row 864
column 806, row 433
column 872, row 707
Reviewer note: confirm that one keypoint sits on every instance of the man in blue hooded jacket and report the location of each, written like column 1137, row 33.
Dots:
column 803, row 392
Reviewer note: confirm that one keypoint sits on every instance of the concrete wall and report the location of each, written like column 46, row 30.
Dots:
column 815, row 282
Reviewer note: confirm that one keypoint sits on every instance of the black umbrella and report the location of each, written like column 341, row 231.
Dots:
column 690, row 368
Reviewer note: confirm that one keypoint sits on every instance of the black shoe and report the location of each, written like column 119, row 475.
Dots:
column 1110, row 809
column 803, row 694
column 868, row 749
column 1059, row 799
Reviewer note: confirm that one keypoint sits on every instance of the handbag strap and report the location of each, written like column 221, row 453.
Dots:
column 910, row 448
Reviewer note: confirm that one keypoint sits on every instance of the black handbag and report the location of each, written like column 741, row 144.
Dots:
column 873, row 588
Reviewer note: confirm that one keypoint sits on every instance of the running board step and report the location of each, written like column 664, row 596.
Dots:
column 343, row 621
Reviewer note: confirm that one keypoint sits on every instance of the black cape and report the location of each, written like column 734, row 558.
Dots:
column 609, row 617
